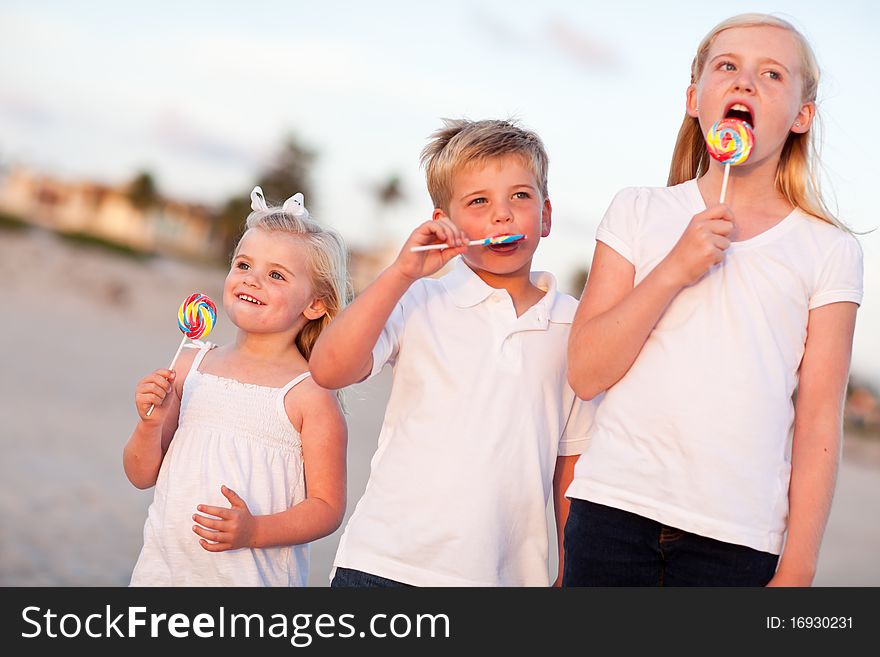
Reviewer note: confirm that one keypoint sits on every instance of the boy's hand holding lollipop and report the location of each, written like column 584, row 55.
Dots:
column 415, row 262
column 435, row 243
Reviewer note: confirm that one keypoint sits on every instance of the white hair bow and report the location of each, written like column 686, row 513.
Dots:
column 295, row 205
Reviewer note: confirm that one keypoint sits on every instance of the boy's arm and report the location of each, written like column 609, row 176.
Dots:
column 816, row 443
column 615, row 318
column 561, row 479
column 343, row 353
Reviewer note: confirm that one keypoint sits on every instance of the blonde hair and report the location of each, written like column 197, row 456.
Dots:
column 461, row 143
column 797, row 178
column 326, row 264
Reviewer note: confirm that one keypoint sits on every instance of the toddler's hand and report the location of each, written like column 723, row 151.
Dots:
column 702, row 245
column 233, row 530
column 151, row 391
column 424, row 263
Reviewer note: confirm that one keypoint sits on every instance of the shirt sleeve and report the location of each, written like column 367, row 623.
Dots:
column 840, row 278
column 388, row 345
column 618, row 227
column 576, row 434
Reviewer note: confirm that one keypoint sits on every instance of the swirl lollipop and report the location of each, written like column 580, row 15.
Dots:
column 196, row 316
column 730, row 141
column 195, row 319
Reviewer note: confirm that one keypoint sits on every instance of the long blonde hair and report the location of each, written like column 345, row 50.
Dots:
column 327, row 265
column 797, row 178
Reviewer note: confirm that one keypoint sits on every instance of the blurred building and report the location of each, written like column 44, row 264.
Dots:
column 107, row 212
column 862, row 409
column 166, row 226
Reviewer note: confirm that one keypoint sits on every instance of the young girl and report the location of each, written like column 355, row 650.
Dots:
column 247, row 453
column 700, row 320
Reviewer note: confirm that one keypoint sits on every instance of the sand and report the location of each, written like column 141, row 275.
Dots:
column 81, row 326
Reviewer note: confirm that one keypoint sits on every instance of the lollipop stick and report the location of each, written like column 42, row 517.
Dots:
column 483, row 242
column 724, row 182
column 170, row 367
column 179, row 349
column 432, row 247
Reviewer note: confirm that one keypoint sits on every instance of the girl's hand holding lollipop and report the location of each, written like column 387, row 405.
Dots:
column 707, row 236
column 195, row 318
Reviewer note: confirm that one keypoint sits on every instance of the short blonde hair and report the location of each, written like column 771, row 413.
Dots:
column 461, row 143
column 797, row 178
column 327, row 265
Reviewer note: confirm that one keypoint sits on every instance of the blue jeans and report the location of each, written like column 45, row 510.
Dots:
column 605, row 546
column 346, row 577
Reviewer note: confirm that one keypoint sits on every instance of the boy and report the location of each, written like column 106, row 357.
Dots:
column 480, row 416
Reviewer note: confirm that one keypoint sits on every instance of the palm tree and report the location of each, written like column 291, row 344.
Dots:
column 288, row 173
column 142, row 191
column 387, row 194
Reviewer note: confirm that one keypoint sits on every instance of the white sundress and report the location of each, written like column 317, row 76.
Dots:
column 233, row 434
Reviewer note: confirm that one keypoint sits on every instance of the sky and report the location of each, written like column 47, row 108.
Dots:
column 203, row 93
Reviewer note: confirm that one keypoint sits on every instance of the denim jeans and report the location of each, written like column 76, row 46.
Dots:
column 605, row 546
column 346, row 577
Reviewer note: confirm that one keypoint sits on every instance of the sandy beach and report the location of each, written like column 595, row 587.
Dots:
column 81, row 326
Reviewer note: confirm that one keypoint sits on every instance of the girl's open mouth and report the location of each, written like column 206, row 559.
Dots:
column 741, row 112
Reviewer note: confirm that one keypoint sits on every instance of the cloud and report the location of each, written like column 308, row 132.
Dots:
column 173, row 131
column 26, row 111
column 584, row 50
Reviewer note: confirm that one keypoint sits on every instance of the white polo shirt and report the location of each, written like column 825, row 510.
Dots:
column 479, row 410
column 697, row 434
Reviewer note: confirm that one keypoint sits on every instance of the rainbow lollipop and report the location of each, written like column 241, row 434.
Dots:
column 195, row 318
column 730, row 141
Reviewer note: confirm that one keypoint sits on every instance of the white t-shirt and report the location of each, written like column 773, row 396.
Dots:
column 696, row 435
column 479, row 410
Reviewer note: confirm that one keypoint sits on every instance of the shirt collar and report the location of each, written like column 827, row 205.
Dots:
column 464, row 286
column 467, row 289
column 553, row 307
